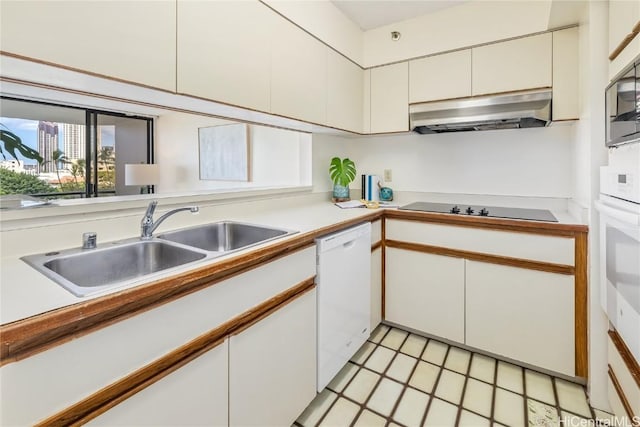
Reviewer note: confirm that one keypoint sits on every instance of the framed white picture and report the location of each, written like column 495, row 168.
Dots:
column 224, row 153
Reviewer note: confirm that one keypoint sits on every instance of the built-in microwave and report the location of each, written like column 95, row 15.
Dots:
column 622, row 101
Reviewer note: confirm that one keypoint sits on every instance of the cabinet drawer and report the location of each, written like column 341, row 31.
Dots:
column 559, row 250
column 616, row 400
column 84, row 365
column 630, row 388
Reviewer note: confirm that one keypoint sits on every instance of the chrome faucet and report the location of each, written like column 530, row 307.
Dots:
column 148, row 226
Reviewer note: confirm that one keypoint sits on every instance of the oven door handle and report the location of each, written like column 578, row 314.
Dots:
column 619, row 214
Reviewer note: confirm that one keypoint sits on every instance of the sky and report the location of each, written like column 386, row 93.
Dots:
column 27, row 130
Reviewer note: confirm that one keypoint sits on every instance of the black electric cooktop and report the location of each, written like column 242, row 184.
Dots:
column 479, row 210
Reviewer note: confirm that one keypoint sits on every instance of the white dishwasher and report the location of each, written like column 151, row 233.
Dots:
column 344, row 297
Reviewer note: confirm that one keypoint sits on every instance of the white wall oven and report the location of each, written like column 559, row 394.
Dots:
column 619, row 208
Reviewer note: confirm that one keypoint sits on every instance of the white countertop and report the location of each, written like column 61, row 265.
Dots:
column 24, row 292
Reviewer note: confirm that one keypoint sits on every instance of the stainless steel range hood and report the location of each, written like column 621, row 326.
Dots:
column 507, row 111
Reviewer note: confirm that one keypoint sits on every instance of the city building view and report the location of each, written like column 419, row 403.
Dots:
column 63, row 148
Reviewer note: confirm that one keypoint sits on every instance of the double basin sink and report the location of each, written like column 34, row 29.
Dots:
column 115, row 265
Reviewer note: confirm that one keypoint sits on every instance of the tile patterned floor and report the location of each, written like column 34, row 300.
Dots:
column 400, row 379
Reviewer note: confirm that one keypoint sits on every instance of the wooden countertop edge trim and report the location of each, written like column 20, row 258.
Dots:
column 376, row 245
column 581, row 309
column 627, row 357
column 32, row 335
column 546, row 228
column 620, row 393
column 482, row 257
column 111, row 395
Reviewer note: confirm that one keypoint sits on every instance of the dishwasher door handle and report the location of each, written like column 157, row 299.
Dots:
column 349, row 244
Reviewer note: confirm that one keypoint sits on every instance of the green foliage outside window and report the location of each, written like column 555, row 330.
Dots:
column 21, row 183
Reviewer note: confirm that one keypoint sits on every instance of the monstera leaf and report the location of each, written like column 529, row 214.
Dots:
column 12, row 142
column 342, row 172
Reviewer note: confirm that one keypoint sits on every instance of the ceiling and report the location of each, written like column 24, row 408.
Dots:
column 369, row 14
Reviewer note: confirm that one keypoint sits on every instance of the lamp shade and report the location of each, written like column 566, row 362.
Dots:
column 141, row 174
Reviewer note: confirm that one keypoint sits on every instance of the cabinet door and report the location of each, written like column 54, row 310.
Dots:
column 376, row 288
column 425, row 292
column 129, row 40
column 194, row 395
column 512, row 65
column 623, row 17
column 298, row 74
column 366, row 101
column 565, row 72
column 272, row 366
column 224, row 51
column 390, row 98
column 344, row 93
column 522, row 314
column 440, row 77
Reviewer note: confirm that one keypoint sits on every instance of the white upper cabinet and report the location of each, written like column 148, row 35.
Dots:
column 298, row 74
column 565, row 71
column 366, row 102
column 224, row 51
column 133, row 40
column 344, row 93
column 518, row 64
column 390, row 98
column 440, row 77
column 624, row 15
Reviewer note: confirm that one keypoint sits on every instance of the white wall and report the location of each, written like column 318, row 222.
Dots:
column 276, row 155
column 326, row 147
column 131, row 147
column 520, row 162
column 590, row 155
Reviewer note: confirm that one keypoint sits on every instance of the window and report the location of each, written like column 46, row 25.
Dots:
column 83, row 151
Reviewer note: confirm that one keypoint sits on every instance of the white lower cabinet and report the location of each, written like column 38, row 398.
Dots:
column 521, row 314
column 263, row 376
column 272, row 366
column 193, row 395
column 425, row 292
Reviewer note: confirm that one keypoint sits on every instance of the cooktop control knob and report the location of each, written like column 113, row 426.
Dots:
column 484, row 212
column 455, row 210
column 469, row 211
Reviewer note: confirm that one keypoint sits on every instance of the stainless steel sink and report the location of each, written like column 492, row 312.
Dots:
column 224, row 236
column 84, row 272
column 87, row 271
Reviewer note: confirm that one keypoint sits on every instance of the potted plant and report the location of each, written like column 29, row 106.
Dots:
column 342, row 172
column 12, row 142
